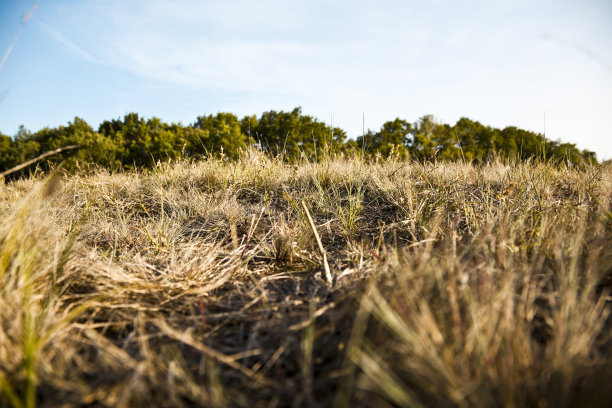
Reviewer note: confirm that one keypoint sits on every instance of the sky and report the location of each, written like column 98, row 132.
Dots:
column 541, row 65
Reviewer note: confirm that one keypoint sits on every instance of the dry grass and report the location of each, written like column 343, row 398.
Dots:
column 202, row 284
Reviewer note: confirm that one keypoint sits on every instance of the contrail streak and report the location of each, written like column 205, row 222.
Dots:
column 583, row 49
column 24, row 22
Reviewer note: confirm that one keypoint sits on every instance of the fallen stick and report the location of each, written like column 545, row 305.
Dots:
column 316, row 234
column 38, row 158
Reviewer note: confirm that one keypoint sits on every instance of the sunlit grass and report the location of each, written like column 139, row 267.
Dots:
column 205, row 283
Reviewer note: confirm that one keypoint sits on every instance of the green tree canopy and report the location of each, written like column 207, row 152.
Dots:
column 293, row 134
column 95, row 148
column 394, row 136
column 223, row 133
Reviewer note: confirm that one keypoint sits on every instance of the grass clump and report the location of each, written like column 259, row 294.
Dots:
column 334, row 283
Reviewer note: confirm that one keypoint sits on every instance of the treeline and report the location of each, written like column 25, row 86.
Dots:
column 136, row 142
column 468, row 140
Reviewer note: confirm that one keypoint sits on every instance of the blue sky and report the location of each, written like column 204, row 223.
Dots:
column 526, row 63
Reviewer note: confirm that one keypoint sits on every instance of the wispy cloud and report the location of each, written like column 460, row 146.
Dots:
column 65, row 42
column 272, row 46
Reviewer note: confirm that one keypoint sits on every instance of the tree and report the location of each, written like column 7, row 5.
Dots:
column 25, row 146
column 248, row 127
column 393, row 136
column 6, row 153
column 166, row 143
column 294, row 135
column 195, row 141
column 470, row 135
column 445, row 142
column 224, row 133
column 422, row 145
column 95, row 148
column 274, row 129
column 527, row 144
column 136, row 140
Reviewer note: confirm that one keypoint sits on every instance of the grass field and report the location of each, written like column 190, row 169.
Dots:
column 204, row 284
